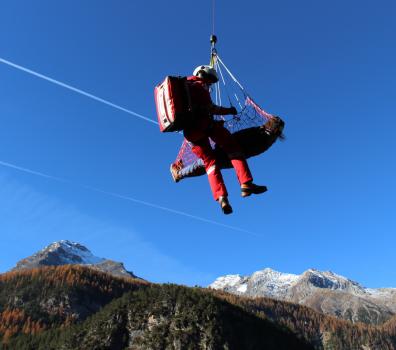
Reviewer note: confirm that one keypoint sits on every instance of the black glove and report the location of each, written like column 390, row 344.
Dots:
column 233, row 111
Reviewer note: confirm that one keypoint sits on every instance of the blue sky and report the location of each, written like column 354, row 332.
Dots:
column 327, row 68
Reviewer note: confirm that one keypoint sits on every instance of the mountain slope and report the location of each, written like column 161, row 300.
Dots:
column 322, row 331
column 169, row 317
column 52, row 296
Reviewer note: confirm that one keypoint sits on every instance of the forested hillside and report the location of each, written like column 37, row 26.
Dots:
column 74, row 307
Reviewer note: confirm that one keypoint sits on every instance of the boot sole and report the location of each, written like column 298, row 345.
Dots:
column 247, row 193
column 227, row 210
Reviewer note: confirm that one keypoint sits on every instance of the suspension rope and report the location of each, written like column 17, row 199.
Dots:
column 218, row 87
column 224, row 83
column 231, row 75
column 221, row 74
column 74, row 89
column 248, row 100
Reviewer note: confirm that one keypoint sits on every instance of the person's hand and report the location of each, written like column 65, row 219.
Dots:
column 233, row 111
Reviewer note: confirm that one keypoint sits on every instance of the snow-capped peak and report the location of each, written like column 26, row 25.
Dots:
column 273, row 282
column 227, row 280
column 236, row 282
column 71, row 253
column 61, row 253
column 269, row 282
column 65, row 244
column 274, row 276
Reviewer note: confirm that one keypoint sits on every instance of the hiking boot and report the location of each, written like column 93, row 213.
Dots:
column 250, row 188
column 174, row 170
column 225, row 205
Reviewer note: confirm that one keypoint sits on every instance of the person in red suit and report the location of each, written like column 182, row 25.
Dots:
column 203, row 126
column 252, row 141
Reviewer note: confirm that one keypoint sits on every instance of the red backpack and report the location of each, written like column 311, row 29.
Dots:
column 173, row 102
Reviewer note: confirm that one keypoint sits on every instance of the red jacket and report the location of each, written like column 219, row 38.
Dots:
column 203, row 107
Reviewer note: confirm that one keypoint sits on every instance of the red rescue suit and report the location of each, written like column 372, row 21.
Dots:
column 203, row 127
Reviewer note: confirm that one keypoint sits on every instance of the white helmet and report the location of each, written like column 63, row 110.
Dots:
column 206, row 72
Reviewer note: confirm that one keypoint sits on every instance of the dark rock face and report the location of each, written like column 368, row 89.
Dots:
column 321, row 282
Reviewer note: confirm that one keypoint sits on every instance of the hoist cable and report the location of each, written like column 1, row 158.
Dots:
column 213, row 15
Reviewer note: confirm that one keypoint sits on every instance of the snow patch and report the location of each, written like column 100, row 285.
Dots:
column 224, row 281
column 242, row 288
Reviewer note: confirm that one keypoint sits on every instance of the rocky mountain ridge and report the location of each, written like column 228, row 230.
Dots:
column 325, row 292
column 71, row 253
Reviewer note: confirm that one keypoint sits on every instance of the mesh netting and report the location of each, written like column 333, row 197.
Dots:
column 250, row 115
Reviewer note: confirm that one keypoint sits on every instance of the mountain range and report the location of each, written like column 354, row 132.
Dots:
column 325, row 292
column 63, row 298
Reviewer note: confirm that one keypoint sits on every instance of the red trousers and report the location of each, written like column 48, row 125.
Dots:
column 202, row 149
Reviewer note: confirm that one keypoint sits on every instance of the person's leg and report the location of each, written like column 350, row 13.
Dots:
column 223, row 138
column 204, row 151
column 195, row 169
